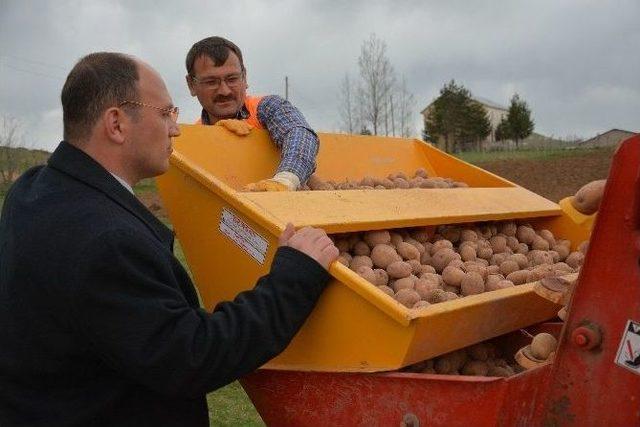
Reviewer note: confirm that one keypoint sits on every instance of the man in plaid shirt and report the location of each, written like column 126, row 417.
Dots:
column 217, row 77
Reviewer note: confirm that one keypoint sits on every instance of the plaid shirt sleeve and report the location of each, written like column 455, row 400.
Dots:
column 290, row 131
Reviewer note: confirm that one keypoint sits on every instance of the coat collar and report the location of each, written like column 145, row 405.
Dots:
column 82, row 167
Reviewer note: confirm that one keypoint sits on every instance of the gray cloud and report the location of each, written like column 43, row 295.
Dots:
column 574, row 62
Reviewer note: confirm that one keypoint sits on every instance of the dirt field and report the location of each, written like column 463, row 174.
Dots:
column 556, row 177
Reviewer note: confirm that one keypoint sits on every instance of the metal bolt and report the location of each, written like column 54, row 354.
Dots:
column 586, row 337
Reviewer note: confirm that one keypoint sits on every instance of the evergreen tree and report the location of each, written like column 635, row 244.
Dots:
column 520, row 124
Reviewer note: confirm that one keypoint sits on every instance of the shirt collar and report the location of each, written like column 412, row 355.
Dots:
column 124, row 183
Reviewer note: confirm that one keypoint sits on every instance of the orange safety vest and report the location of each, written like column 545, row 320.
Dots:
column 251, row 104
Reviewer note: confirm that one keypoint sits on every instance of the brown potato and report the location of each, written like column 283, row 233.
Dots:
column 421, row 304
column 442, row 258
column 361, row 248
column 360, row 260
column 468, row 235
column 367, row 273
column 345, row 258
column 518, row 277
column 453, row 276
column 416, row 267
column 508, row 228
column 543, row 345
column 467, row 253
column 476, row 368
column 377, row 237
column 587, row 199
column 399, row 270
column 548, row 236
column 525, row 234
column 404, row 283
column 440, row 244
column 540, row 244
column 382, row 255
column 472, row 284
column 408, row 251
column 509, row 266
column 427, row 269
column 498, row 244
column 382, row 278
column 396, row 238
column 407, row 297
column 387, row 290
column 424, row 287
column 575, row 259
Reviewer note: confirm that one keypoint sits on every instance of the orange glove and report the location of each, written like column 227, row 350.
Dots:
column 237, row 127
column 282, row 181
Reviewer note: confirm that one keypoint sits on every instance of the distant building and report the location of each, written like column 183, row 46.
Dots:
column 609, row 138
column 495, row 113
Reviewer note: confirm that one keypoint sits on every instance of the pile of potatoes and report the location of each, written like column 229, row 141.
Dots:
column 482, row 359
column 426, row 265
column 395, row 180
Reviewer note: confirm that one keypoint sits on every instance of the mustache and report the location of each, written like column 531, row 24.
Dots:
column 223, row 98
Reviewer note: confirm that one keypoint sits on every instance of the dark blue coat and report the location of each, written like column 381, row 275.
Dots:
column 99, row 322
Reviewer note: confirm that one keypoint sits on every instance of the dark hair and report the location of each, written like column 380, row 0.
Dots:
column 98, row 81
column 216, row 48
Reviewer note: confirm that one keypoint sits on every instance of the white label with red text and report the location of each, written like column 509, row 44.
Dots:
column 243, row 235
column 629, row 349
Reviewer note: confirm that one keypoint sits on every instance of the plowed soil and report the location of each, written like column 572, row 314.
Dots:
column 557, row 177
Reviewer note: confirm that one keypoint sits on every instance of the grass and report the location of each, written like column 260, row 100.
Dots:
column 477, row 157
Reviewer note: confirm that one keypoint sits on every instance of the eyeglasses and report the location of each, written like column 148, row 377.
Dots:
column 232, row 81
column 171, row 112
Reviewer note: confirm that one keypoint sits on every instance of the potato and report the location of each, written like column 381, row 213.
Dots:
column 408, row 251
column 382, row 255
column 470, row 266
column 520, row 259
column 382, row 278
column 442, row 258
column 522, row 248
column 498, row 244
column 587, row 199
column 440, row 244
column 450, row 362
column 508, row 228
column 543, row 345
column 388, row 184
column 420, row 234
column 468, row 235
column 427, row 269
column 548, row 236
column 399, row 270
column 387, row 290
column 476, row 368
column 407, row 297
column 575, row 259
column 509, row 266
column 345, row 258
column 424, row 287
column 367, row 273
column 492, row 281
column 422, row 172
column 561, row 268
column 472, row 284
column 416, row 267
column 342, row 245
column 396, row 238
column 492, row 269
column 497, row 259
column 502, row 284
column 518, row 277
column 451, row 234
column 512, row 243
column 436, row 296
column 562, row 250
column 449, row 295
column 377, row 237
column 360, row 260
column 537, row 257
column 361, row 248
column 421, row 304
column 425, row 258
column 453, row 276
column 484, row 252
column 419, row 246
column 540, row 244
column 455, row 263
column 525, row 234
column 404, row 283
column 480, row 351
column 467, row 253
column 499, row 371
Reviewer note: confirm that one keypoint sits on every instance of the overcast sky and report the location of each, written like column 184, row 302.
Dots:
column 576, row 63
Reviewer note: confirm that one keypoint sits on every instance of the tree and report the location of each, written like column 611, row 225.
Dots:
column 520, row 124
column 377, row 79
column 502, row 130
column 348, row 109
column 405, row 105
column 456, row 118
column 10, row 140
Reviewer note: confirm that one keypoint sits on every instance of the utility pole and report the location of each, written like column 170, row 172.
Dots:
column 286, row 87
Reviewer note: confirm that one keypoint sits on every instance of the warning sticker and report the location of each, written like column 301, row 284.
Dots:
column 629, row 350
column 243, row 235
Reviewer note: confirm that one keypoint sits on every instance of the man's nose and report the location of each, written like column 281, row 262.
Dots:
column 174, row 130
column 224, row 88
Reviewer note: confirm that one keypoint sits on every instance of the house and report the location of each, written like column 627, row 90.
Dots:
column 608, row 138
column 495, row 113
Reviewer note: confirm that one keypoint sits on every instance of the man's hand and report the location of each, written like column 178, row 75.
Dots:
column 282, row 181
column 238, row 127
column 313, row 242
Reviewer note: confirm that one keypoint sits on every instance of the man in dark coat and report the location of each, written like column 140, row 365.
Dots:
column 99, row 322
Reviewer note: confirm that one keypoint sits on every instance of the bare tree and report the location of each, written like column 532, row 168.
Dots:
column 377, row 79
column 405, row 106
column 349, row 111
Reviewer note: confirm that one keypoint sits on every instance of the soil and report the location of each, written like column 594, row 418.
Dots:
column 554, row 178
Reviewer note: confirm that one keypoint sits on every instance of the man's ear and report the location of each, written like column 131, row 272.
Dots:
column 116, row 124
column 191, row 85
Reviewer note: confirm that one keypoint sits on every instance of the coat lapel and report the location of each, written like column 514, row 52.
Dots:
column 76, row 163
